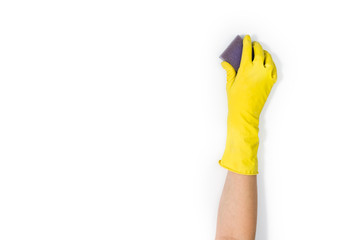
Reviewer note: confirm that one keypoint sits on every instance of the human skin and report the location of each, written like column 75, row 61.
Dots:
column 237, row 214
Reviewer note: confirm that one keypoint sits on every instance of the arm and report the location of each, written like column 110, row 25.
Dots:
column 247, row 92
column 238, row 208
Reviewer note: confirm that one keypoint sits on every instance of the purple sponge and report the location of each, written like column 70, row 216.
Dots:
column 232, row 53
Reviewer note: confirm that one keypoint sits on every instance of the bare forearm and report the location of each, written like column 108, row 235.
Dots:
column 238, row 208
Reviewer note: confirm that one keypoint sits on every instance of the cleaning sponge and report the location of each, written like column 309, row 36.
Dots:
column 232, row 53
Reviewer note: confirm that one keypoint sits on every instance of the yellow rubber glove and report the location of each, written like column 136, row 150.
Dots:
column 247, row 92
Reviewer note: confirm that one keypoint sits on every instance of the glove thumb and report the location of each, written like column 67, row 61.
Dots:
column 230, row 72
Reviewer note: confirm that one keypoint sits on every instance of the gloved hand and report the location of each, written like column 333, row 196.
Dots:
column 247, row 92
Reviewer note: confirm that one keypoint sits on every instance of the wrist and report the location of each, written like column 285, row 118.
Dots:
column 242, row 143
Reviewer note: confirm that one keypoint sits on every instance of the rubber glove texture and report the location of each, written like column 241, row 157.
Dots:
column 247, row 92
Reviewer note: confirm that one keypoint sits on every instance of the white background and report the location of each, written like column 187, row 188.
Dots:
column 113, row 118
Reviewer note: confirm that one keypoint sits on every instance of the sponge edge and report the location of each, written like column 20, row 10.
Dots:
column 232, row 53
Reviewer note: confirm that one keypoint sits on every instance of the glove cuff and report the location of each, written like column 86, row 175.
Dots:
column 242, row 144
